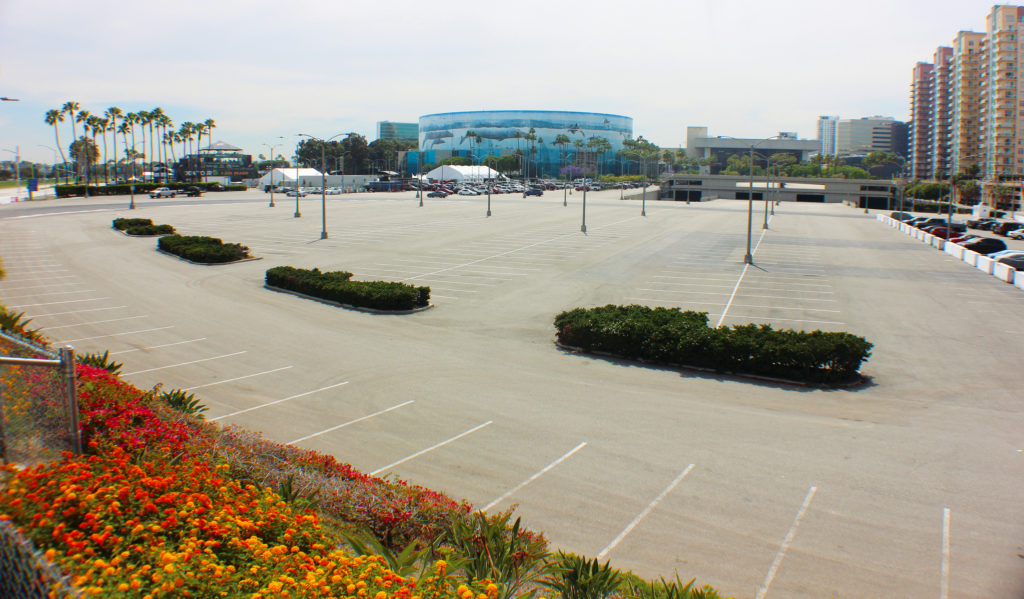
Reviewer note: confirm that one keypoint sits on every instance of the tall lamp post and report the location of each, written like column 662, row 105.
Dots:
column 748, row 258
column 323, row 177
column 272, row 170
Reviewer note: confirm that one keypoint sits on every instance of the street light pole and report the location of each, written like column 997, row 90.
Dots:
column 747, row 258
column 272, row 169
column 767, row 187
column 583, row 227
column 297, row 192
column 323, row 178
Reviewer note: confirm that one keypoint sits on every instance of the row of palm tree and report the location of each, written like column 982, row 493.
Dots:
column 162, row 136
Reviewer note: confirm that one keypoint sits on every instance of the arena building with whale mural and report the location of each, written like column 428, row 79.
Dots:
column 483, row 133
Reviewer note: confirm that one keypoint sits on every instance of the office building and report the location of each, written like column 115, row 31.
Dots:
column 938, row 132
column 398, row 131
column 827, row 134
column 855, row 137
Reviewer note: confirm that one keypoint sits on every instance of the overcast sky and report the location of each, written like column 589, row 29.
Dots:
column 261, row 70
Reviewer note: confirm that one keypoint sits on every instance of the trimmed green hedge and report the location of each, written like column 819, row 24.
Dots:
column 64, row 191
column 668, row 335
column 141, row 226
column 337, row 286
column 209, row 250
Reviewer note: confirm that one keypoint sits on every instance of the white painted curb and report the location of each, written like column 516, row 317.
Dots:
column 1003, row 272
column 984, row 264
column 971, row 257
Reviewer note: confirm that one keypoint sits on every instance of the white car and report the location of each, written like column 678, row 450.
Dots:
column 333, row 191
column 162, row 192
column 1016, row 234
column 467, row 192
column 297, row 194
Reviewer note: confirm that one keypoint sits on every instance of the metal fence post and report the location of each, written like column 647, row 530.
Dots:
column 67, row 359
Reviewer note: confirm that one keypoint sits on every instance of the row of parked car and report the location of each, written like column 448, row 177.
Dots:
column 956, row 233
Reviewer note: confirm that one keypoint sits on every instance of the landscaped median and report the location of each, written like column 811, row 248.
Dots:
column 203, row 250
column 337, row 287
column 671, row 336
column 141, row 227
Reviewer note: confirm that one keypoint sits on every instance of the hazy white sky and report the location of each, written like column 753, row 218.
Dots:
column 267, row 69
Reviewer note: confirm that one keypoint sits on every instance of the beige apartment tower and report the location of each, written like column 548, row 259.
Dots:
column 966, row 127
column 1001, row 96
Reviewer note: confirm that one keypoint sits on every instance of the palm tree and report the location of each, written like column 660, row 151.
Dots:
column 154, row 116
column 163, row 121
column 54, row 116
column 112, row 115
column 141, row 119
column 83, row 118
column 70, row 108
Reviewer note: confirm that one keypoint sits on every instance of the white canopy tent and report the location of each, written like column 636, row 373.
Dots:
column 307, row 177
column 468, row 174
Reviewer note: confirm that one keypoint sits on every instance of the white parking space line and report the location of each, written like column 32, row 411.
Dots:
column 40, row 286
column 277, row 401
column 39, row 295
column 802, row 309
column 116, row 334
column 34, row 279
column 688, row 285
column 763, row 589
column 83, row 324
column 37, row 268
column 91, row 299
column 733, row 295
column 432, row 448
column 238, row 353
column 344, row 424
column 748, row 317
column 944, row 572
column 238, row 378
column 537, row 475
column 78, row 311
column 643, row 514
column 128, row 351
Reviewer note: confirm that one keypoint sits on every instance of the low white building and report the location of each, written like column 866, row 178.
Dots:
column 286, row 177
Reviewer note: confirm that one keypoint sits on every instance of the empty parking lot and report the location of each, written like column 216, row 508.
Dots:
column 907, row 486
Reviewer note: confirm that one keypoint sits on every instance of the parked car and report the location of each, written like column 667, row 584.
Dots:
column 923, row 221
column 437, row 194
column 1017, row 262
column 1016, row 234
column 901, row 216
column 1005, row 227
column 1006, row 254
column 976, row 223
column 943, row 232
column 963, row 238
column 300, row 193
column 216, row 187
column 533, row 192
column 162, row 192
column 985, row 245
column 191, row 192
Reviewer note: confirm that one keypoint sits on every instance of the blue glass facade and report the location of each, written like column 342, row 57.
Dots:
column 448, row 132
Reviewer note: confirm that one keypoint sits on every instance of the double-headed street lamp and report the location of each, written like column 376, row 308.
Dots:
column 323, row 177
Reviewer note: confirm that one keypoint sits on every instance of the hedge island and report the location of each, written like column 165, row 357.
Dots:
column 141, row 227
column 671, row 336
column 206, row 250
column 337, row 286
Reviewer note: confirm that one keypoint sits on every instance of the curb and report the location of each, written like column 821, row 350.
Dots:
column 346, row 306
column 861, row 379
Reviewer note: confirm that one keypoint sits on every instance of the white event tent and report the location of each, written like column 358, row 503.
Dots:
column 476, row 174
column 286, row 177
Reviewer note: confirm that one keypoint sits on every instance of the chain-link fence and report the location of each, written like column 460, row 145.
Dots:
column 24, row 571
column 38, row 409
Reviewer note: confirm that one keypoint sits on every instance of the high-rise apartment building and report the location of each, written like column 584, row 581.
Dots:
column 921, row 120
column 966, row 121
column 1004, row 155
column 938, row 133
column 827, row 134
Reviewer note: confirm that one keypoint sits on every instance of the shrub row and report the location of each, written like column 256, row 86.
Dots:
column 337, row 286
column 209, row 250
column 669, row 335
column 64, row 191
column 141, row 226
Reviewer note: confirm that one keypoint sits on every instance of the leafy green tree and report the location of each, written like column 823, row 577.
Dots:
column 84, row 152
column 969, row 191
column 878, row 158
column 457, row 161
